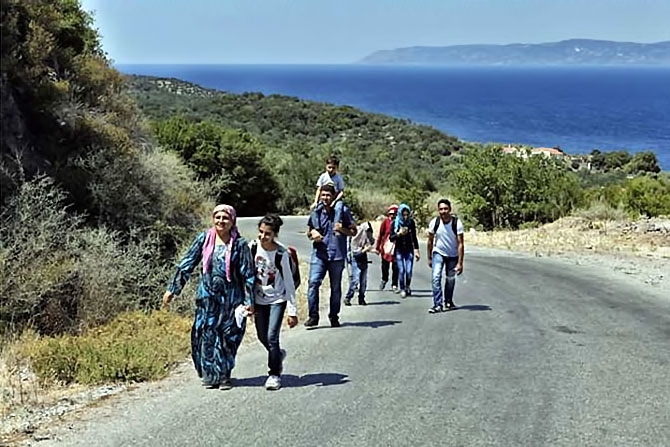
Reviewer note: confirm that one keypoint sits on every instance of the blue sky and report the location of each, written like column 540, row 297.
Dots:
column 343, row 31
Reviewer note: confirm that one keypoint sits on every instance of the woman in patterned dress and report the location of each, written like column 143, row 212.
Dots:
column 226, row 282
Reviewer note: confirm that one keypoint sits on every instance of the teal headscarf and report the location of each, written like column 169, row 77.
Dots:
column 399, row 221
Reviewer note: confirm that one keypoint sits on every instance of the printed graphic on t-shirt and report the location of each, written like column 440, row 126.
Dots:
column 266, row 272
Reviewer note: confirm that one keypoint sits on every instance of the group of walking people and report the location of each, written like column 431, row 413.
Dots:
column 241, row 278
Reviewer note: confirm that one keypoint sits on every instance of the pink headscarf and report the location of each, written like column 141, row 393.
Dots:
column 210, row 241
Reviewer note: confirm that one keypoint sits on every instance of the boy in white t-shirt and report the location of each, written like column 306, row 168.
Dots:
column 330, row 176
column 445, row 252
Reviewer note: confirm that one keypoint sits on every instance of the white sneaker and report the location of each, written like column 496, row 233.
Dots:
column 403, row 294
column 273, row 383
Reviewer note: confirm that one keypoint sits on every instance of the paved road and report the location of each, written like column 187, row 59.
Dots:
column 541, row 353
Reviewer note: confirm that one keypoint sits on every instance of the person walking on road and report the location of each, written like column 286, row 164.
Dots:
column 225, row 288
column 406, row 247
column 445, row 252
column 274, row 292
column 329, row 249
column 386, row 250
column 357, row 257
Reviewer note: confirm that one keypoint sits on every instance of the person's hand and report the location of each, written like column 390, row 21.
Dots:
column 292, row 321
column 338, row 226
column 316, row 236
column 250, row 309
column 167, row 299
column 459, row 268
column 417, row 255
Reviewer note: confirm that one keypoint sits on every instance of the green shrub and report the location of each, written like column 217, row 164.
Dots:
column 60, row 276
column 602, row 210
column 648, row 196
column 133, row 347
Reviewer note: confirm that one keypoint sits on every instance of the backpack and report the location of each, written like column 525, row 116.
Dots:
column 438, row 221
column 293, row 260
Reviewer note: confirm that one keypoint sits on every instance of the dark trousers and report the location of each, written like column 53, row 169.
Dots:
column 385, row 272
column 268, row 319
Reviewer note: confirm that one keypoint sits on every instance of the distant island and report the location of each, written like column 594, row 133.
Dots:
column 566, row 52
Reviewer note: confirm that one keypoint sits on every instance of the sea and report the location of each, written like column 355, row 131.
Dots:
column 578, row 109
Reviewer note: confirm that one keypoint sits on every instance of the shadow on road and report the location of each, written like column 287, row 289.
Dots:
column 382, row 303
column 293, row 381
column 474, row 307
column 371, row 324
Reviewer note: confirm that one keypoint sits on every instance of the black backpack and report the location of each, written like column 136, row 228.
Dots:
column 292, row 260
column 438, row 221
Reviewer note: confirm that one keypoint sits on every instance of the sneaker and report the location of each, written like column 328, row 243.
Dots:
column 395, row 289
column 273, row 383
column 382, row 285
column 403, row 294
column 335, row 322
column 226, row 385
column 450, row 306
column 409, row 291
column 311, row 321
column 362, row 302
column 435, row 310
column 347, row 302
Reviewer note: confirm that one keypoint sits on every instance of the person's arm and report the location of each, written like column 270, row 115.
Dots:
column 247, row 273
column 317, row 196
column 185, row 269
column 381, row 236
column 415, row 240
column 393, row 236
column 461, row 246
column 348, row 225
column 429, row 248
column 289, row 286
column 313, row 234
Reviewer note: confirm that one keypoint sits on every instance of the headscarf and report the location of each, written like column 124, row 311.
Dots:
column 210, row 241
column 399, row 221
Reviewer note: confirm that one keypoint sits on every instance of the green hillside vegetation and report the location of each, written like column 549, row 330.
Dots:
column 298, row 135
column 106, row 179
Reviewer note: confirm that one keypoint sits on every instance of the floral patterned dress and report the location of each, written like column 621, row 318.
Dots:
column 215, row 336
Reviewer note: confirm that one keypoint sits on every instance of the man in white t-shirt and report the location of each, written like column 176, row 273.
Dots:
column 445, row 252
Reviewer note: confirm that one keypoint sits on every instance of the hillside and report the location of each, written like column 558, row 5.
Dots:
column 567, row 52
column 373, row 147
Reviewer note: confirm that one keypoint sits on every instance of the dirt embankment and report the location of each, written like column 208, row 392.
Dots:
column 640, row 249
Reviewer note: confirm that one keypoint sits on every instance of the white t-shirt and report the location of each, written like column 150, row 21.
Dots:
column 337, row 179
column 445, row 242
column 270, row 286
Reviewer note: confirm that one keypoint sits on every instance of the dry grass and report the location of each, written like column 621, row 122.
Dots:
column 646, row 238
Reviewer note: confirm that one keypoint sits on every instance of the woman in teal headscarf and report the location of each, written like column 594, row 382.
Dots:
column 406, row 247
column 225, row 287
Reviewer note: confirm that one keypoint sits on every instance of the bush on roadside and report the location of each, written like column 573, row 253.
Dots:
column 600, row 210
column 134, row 347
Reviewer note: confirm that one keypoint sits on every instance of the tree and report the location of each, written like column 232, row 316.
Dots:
column 233, row 160
column 643, row 162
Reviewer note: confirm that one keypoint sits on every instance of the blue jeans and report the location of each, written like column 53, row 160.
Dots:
column 268, row 319
column 317, row 272
column 441, row 263
column 405, row 263
column 358, row 279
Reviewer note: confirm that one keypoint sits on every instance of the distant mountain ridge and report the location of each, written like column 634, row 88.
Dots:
column 566, row 52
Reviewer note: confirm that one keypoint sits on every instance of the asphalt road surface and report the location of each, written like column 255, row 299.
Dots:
column 540, row 353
